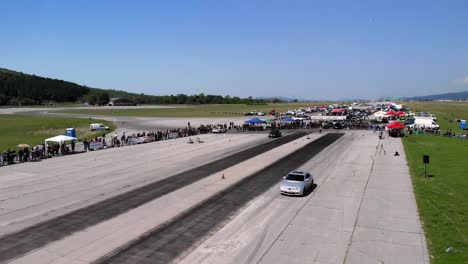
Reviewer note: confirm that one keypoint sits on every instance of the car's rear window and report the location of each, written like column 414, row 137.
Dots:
column 295, row 177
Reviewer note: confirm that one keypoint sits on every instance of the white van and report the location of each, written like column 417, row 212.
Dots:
column 425, row 122
column 97, row 127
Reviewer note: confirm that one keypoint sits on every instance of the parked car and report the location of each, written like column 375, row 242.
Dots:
column 338, row 125
column 274, row 133
column 218, row 130
column 296, row 183
column 96, row 127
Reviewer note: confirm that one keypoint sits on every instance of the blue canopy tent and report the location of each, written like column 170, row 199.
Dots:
column 255, row 120
column 287, row 119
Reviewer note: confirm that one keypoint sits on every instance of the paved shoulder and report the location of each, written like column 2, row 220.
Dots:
column 388, row 228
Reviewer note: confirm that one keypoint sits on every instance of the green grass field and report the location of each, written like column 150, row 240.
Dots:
column 33, row 130
column 442, row 199
column 447, row 113
column 194, row 111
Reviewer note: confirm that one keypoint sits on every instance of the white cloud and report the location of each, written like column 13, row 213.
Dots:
column 465, row 80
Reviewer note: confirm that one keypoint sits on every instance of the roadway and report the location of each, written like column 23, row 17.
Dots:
column 362, row 210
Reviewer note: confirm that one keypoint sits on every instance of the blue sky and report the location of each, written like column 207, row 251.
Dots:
column 300, row 49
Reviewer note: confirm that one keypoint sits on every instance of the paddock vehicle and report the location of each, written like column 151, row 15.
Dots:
column 218, row 130
column 338, row 125
column 97, row 127
column 274, row 133
column 296, row 183
column 203, row 130
column 425, row 122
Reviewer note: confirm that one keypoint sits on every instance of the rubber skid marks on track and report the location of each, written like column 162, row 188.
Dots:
column 19, row 243
column 170, row 240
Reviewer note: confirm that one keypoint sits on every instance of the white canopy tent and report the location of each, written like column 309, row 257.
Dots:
column 378, row 115
column 60, row 139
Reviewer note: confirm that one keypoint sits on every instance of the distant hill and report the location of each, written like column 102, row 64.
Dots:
column 444, row 96
column 17, row 88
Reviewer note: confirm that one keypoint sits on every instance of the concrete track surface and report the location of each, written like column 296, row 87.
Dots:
column 167, row 242
column 362, row 210
column 23, row 241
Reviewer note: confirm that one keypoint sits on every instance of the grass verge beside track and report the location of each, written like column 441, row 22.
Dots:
column 33, row 130
column 442, row 199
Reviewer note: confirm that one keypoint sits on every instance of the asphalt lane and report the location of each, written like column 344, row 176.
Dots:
column 24, row 241
column 168, row 241
column 363, row 211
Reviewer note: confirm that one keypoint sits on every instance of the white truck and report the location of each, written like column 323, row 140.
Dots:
column 97, row 127
column 427, row 122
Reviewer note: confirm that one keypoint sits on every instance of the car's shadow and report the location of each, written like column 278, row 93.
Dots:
column 310, row 190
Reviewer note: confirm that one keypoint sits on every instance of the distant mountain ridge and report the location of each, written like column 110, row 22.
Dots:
column 443, row 96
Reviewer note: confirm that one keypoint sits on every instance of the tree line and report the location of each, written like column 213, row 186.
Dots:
column 185, row 99
column 17, row 88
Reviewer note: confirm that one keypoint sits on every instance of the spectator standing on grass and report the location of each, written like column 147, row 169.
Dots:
column 11, row 155
column 85, row 144
column 122, row 138
column 26, row 155
column 20, row 156
column 49, row 151
column 62, row 149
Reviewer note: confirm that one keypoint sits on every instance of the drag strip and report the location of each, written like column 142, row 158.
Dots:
column 168, row 241
column 19, row 243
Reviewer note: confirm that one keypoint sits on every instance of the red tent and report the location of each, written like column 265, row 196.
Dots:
column 338, row 111
column 391, row 113
column 395, row 125
column 400, row 113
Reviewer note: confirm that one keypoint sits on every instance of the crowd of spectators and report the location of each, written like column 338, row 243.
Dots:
column 43, row 151
column 436, row 132
column 10, row 156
